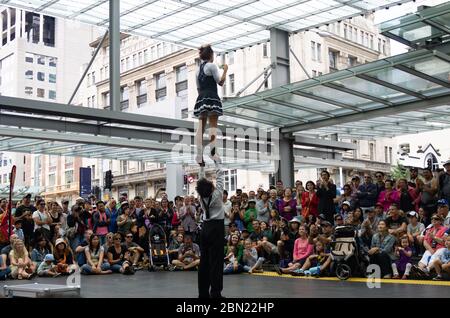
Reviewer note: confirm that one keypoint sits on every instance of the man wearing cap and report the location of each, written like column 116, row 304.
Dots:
column 443, row 211
column 444, row 182
column 367, row 194
column 24, row 212
column 414, row 231
column 433, row 241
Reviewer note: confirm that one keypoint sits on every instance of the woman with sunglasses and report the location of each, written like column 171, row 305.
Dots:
column 119, row 256
column 42, row 221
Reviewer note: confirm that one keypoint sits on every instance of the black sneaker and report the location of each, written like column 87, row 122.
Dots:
column 278, row 270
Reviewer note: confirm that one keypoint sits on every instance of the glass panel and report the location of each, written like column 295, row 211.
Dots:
column 403, row 79
column 432, row 66
column 335, row 95
column 255, row 116
column 442, row 19
column 416, row 31
column 307, row 102
column 278, row 109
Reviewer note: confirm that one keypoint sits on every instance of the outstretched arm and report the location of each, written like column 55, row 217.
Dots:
column 219, row 173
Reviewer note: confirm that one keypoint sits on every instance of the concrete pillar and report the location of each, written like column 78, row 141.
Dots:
column 174, row 180
column 114, row 54
column 279, row 50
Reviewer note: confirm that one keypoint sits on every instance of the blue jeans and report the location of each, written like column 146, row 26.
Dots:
column 116, row 267
column 4, row 273
column 229, row 269
column 87, row 269
column 258, row 264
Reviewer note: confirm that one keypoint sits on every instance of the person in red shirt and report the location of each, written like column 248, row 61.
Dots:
column 310, row 201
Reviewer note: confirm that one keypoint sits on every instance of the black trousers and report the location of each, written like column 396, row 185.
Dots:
column 210, row 273
column 384, row 261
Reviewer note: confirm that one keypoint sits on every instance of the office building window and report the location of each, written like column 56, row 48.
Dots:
column 231, row 82
column 41, row 76
column 145, row 56
column 313, row 50
column 52, row 61
column 161, row 90
column 41, row 60
column 181, row 78
column 124, row 98
column 184, row 113
column 41, row 92
column 231, row 58
column 29, row 91
column 352, row 60
column 32, row 27
column 29, row 58
column 372, row 151
column 123, row 167
column 52, row 94
column 265, row 53
column 105, row 98
column 319, row 52
column 51, row 179
column 52, row 78
column 333, row 57
column 141, row 61
column 141, row 87
column 159, row 48
column 128, row 65
column 68, row 176
column 29, row 75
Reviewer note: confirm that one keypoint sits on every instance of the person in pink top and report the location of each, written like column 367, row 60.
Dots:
column 303, row 248
column 389, row 196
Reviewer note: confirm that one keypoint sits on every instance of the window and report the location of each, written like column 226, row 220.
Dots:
column 92, row 76
column 265, row 54
column 230, row 180
column 68, row 176
column 384, row 47
column 123, row 166
column 93, row 101
column 371, row 42
column 141, row 61
column 41, row 60
column 153, row 56
column 29, row 75
column 333, row 56
column 345, row 31
column 141, row 189
column 231, row 58
column 362, row 37
column 355, row 35
column 184, row 113
column 141, row 87
column 145, row 56
column 49, row 31
column 386, row 154
column 313, row 50
column 266, row 83
column 135, row 60
column 319, row 52
column 366, row 39
column 29, row 91
column 128, row 65
column 32, row 26
column 231, row 80
column 379, row 45
column 372, row 151
column 89, row 104
column 41, row 92
column 122, row 65
column 390, row 154
column 181, row 78
column 52, row 61
column 161, row 90
column 24, row 177
column 51, row 179
column 124, row 98
column 105, row 99
column 52, row 95
column 52, row 78
column 352, row 60
column 41, row 76
column 29, row 58
column 159, row 52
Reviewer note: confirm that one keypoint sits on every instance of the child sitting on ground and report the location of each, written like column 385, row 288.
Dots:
column 252, row 263
column 47, row 268
column 442, row 264
column 403, row 264
column 316, row 264
column 231, row 263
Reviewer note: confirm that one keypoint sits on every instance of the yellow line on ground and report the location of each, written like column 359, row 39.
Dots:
column 362, row 280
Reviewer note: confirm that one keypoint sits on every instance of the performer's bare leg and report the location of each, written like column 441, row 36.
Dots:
column 199, row 139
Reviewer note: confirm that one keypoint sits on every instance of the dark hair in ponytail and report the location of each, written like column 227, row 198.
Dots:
column 205, row 52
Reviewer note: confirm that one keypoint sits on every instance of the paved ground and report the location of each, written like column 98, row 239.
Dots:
column 268, row 285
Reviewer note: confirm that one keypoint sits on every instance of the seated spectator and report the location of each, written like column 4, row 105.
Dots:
column 21, row 265
column 379, row 212
column 245, row 234
column 4, row 269
column 257, row 234
column 396, row 223
column 47, row 268
column 252, row 263
column 135, row 250
column 235, row 242
column 124, row 221
column 63, row 257
column 442, row 264
column 80, row 256
column 95, row 258
column 402, row 266
column 338, row 220
column 345, row 209
column 326, row 235
column 250, row 215
column 414, row 230
column 175, row 245
column 370, row 224
column 381, row 252
column 231, row 264
column 119, row 257
column 188, row 255
column 433, row 242
column 443, row 211
column 302, row 250
column 266, row 231
column 109, row 242
column 237, row 215
column 287, row 239
column 5, row 250
column 317, row 264
column 42, row 248
column 232, row 229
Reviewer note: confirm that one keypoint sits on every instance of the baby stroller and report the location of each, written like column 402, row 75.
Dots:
column 159, row 255
column 348, row 259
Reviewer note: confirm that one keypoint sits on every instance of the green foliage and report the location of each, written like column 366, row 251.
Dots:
column 399, row 172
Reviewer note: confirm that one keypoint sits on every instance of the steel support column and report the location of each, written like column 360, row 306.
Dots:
column 280, row 54
column 114, row 54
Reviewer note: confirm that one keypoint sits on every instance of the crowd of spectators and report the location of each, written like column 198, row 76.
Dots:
column 401, row 225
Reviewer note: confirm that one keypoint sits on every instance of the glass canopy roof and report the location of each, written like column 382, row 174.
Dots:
column 226, row 25
column 411, row 84
column 415, row 30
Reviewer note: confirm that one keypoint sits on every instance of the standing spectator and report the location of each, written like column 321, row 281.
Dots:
column 389, row 196
column 407, row 196
column 379, row 177
column 42, row 220
column 113, row 213
column 310, row 201
column 326, row 193
column 442, row 264
column 56, row 216
column 396, row 223
column 414, row 231
column 347, row 197
column 250, row 215
column 382, row 250
column 302, row 250
column 237, row 215
column 95, row 258
column 428, row 189
column 263, row 207
column 124, row 221
column 413, row 177
column 355, row 183
column 287, row 207
column 101, row 222
column 75, row 227
column 165, row 215
column 187, row 216
column 24, row 212
column 367, row 194
column 402, row 266
column 444, row 183
column 273, row 199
